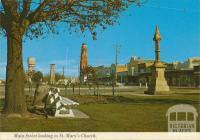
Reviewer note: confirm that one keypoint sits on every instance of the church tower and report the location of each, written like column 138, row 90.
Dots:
column 83, row 63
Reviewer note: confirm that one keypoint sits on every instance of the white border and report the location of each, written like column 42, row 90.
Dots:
column 99, row 136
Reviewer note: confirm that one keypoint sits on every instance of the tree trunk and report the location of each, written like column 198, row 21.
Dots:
column 14, row 89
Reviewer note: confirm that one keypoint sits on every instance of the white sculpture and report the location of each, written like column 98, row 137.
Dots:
column 57, row 105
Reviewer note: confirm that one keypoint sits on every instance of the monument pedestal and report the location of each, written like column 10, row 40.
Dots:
column 158, row 83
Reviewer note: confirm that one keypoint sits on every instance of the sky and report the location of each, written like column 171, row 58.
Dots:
column 179, row 26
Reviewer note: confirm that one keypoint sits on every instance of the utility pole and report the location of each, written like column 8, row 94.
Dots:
column 63, row 72
column 115, row 75
column 117, row 52
column 79, row 74
column 116, row 65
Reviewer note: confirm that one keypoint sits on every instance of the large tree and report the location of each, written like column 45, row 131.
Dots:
column 33, row 18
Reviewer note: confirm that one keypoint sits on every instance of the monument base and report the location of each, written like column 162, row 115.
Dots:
column 159, row 84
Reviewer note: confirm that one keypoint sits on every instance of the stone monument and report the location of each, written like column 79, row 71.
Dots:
column 83, row 63
column 158, row 83
column 52, row 74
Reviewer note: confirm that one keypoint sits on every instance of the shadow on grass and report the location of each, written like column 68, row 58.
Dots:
column 178, row 93
column 122, row 99
column 105, row 99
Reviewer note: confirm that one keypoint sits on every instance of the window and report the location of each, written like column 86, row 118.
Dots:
column 173, row 116
column 190, row 116
column 181, row 116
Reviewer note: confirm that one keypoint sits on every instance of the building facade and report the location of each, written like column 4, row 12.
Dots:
column 189, row 64
column 122, row 72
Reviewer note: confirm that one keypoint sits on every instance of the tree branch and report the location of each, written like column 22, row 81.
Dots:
column 84, row 14
column 35, row 14
column 2, row 20
column 10, row 7
column 26, row 9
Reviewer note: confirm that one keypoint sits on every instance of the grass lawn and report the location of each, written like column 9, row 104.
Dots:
column 121, row 113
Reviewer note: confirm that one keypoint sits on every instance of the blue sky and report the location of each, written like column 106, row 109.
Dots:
column 178, row 22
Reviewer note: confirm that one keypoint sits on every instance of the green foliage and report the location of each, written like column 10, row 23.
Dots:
column 58, row 76
column 90, row 72
column 46, row 78
column 37, row 77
